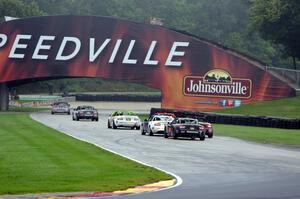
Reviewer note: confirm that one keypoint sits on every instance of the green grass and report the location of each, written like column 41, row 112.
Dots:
column 259, row 134
column 36, row 159
column 289, row 108
column 255, row 134
column 27, row 109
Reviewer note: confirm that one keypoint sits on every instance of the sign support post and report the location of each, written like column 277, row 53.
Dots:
column 3, row 97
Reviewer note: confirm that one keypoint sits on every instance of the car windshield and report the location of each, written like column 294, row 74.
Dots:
column 119, row 113
column 166, row 118
column 187, row 121
column 87, row 108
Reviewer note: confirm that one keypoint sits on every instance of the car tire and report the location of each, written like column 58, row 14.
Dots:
column 174, row 134
column 138, row 128
column 108, row 125
column 166, row 134
column 150, row 132
column 52, row 112
column 97, row 119
column 142, row 131
column 202, row 136
column 210, row 135
column 114, row 125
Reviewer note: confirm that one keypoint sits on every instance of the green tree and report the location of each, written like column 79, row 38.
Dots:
column 17, row 8
column 279, row 22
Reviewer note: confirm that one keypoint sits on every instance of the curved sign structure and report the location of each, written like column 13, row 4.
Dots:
column 191, row 73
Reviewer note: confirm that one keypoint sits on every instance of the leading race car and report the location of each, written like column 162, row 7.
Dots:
column 60, row 107
column 156, row 123
column 85, row 112
column 185, row 127
column 124, row 119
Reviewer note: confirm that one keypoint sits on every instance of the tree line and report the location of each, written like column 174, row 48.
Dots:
column 266, row 30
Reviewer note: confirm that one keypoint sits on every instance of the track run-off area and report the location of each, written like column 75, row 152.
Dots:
column 220, row 167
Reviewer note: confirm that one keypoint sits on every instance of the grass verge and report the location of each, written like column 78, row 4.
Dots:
column 260, row 134
column 255, row 134
column 37, row 159
column 289, row 108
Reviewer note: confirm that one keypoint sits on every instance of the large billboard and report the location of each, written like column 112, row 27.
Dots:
column 191, row 73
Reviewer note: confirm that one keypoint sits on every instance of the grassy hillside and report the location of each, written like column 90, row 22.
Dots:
column 35, row 159
column 289, row 108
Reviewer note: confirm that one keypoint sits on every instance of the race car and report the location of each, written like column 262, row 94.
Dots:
column 85, row 112
column 60, row 107
column 156, row 123
column 208, row 129
column 185, row 127
column 124, row 119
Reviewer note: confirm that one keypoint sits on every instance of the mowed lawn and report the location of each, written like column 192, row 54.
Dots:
column 260, row 134
column 289, row 108
column 36, row 159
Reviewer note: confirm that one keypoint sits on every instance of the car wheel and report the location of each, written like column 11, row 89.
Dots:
column 210, row 135
column 114, row 125
column 174, row 134
column 108, row 125
column 202, row 136
column 142, row 131
column 138, row 128
column 165, row 134
column 52, row 112
column 97, row 119
column 150, row 132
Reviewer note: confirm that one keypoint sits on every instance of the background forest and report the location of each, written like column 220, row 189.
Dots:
column 265, row 30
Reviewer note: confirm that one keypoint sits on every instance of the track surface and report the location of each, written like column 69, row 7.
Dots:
column 218, row 168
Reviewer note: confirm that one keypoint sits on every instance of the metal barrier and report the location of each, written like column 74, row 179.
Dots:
column 290, row 74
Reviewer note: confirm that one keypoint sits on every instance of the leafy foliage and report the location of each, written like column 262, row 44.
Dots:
column 223, row 21
column 279, row 22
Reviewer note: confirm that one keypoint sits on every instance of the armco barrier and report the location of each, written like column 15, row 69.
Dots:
column 235, row 119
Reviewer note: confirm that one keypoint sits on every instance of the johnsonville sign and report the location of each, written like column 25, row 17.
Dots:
column 217, row 83
column 191, row 73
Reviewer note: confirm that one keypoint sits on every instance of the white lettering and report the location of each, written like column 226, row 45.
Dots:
column 77, row 43
column 115, row 51
column 94, row 55
column 147, row 60
column 3, row 38
column 16, row 45
column 126, row 59
column 40, row 46
column 174, row 53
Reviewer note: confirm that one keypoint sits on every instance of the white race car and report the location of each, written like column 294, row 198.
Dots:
column 156, row 123
column 124, row 119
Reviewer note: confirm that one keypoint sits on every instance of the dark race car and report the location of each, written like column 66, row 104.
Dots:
column 85, row 112
column 185, row 127
column 208, row 129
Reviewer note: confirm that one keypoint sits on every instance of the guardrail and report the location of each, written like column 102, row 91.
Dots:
column 246, row 120
column 290, row 74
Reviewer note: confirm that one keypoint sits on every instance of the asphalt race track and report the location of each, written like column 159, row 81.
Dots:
column 218, row 168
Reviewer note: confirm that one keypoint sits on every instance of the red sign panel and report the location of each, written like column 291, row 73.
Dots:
column 191, row 73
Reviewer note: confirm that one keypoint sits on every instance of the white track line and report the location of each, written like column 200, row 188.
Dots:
column 179, row 180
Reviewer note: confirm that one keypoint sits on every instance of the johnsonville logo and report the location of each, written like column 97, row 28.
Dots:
column 217, row 83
